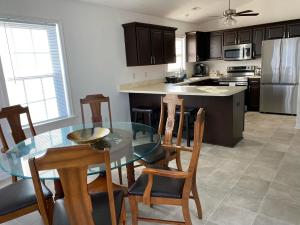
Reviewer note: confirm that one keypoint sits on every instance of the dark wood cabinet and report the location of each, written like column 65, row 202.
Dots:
column 169, row 47
column 253, row 94
column 148, row 44
column 216, row 45
column 230, row 37
column 143, row 46
column 197, row 46
column 157, row 46
column 293, row 30
column 244, row 36
column 275, row 31
column 257, row 39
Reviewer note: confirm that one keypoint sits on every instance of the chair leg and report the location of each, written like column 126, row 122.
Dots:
column 197, row 200
column 187, row 127
column 186, row 212
column 123, row 220
column 134, row 210
column 178, row 161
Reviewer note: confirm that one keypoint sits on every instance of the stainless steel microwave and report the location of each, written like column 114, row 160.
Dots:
column 238, row 52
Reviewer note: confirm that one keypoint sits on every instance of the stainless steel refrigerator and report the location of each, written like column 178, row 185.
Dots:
column 280, row 76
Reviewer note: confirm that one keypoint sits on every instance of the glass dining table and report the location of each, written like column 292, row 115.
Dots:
column 127, row 142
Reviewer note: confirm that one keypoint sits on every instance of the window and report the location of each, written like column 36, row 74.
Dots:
column 33, row 69
column 180, row 56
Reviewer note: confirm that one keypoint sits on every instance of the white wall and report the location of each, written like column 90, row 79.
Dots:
column 94, row 46
column 221, row 65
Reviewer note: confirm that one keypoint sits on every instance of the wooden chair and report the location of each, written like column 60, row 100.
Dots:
column 95, row 102
column 170, row 187
column 78, row 206
column 162, row 156
column 19, row 198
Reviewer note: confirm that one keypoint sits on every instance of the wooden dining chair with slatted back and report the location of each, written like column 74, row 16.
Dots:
column 170, row 187
column 18, row 198
column 162, row 156
column 79, row 207
column 95, row 102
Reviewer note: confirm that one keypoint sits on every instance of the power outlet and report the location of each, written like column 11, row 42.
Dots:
column 133, row 76
column 146, row 74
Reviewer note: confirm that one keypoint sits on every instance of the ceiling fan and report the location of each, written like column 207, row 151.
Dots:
column 230, row 13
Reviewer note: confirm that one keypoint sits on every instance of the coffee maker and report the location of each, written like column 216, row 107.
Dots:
column 200, row 70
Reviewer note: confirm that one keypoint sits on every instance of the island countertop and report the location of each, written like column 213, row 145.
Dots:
column 184, row 89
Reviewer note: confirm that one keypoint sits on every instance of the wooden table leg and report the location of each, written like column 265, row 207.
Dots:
column 130, row 174
column 59, row 192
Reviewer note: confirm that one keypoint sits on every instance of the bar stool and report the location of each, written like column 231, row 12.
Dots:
column 147, row 116
column 189, row 113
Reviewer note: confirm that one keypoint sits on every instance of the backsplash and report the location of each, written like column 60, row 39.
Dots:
column 221, row 65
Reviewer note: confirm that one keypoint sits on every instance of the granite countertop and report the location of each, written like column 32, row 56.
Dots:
column 184, row 88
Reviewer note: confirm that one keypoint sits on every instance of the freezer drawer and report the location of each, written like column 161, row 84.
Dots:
column 278, row 99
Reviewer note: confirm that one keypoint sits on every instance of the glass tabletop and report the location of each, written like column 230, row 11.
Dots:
column 127, row 143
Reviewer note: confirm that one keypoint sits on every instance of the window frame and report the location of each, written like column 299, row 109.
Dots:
column 183, row 64
column 65, row 70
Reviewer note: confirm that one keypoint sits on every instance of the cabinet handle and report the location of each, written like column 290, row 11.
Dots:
column 284, row 34
column 153, row 59
column 288, row 34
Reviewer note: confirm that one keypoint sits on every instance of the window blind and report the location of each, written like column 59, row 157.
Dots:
column 33, row 68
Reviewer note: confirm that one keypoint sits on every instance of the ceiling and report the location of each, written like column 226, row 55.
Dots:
column 200, row 11
column 194, row 11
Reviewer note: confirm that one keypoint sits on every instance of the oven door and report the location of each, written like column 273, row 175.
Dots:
column 233, row 52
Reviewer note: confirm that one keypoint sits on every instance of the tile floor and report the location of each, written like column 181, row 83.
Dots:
column 255, row 183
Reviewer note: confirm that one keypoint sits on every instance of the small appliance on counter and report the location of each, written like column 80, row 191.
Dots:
column 200, row 70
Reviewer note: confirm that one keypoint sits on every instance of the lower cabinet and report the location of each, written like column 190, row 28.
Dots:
column 253, row 94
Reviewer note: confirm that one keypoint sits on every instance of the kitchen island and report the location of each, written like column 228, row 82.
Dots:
column 224, row 106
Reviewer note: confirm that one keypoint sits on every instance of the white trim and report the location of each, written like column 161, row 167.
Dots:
column 62, row 49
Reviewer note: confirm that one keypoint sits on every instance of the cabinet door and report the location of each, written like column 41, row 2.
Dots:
column 143, row 45
column 216, row 45
column 245, row 36
column 230, row 37
column 254, row 94
column 191, row 47
column 169, row 47
column 258, row 37
column 202, row 46
column 157, row 46
column 293, row 30
column 275, row 31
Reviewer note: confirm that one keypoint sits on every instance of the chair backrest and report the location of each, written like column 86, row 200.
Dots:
column 172, row 102
column 95, row 102
column 198, row 137
column 72, row 164
column 12, row 115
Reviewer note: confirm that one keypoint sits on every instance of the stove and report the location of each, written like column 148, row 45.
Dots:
column 237, row 75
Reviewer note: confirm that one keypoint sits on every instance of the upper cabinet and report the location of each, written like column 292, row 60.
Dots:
column 148, row 44
column 275, row 31
column 197, row 46
column 230, row 37
column 244, row 36
column 236, row 37
column 257, row 39
column 216, row 45
column 293, row 29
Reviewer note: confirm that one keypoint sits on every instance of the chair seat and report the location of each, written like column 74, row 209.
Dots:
column 19, row 195
column 155, row 156
column 164, row 187
column 101, row 211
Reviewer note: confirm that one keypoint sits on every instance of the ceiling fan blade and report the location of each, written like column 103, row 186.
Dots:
column 245, row 11
column 215, row 16
column 249, row 14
